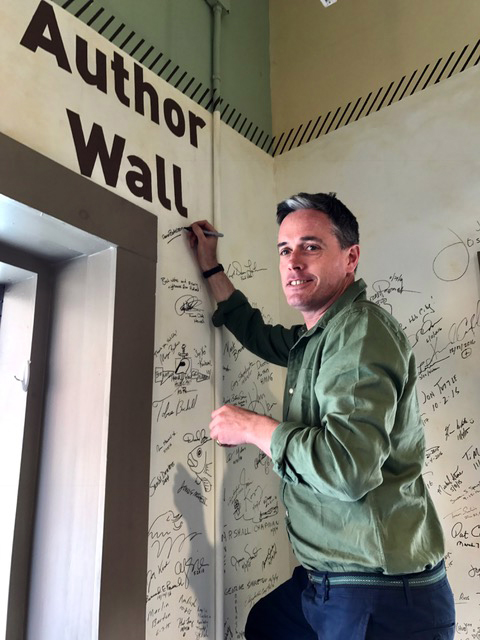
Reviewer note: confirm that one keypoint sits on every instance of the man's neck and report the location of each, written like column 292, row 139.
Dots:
column 312, row 317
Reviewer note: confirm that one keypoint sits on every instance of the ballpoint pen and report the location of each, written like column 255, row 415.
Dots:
column 217, row 234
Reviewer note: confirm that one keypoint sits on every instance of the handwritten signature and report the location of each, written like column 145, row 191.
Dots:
column 451, row 263
column 249, row 503
column 271, row 553
column 461, row 336
column 383, row 288
column 199, row 436
column 460, row 531
column 189, row 305
column 189, row 566
column 262, row 460
column 245, row 562
column 165, row 536
column 259, row 403
column 245, row 271
column 164, row 409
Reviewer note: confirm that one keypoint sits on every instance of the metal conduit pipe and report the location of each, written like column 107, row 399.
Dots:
column 219, row 463
column 218, row 8
column 216, row 78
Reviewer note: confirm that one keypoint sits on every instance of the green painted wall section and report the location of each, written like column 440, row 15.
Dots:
column 173, row 38
column 246, row 64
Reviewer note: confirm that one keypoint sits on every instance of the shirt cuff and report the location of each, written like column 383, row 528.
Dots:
column 237, row 299
column 278, row 449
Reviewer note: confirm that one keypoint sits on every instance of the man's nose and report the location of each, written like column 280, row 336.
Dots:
column 295, row 261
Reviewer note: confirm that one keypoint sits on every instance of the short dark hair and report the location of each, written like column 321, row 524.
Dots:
column 344, row 223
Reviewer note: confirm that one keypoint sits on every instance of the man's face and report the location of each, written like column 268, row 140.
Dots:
column 314, row 269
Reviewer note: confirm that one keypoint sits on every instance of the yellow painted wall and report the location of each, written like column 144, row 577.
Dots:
column 323, row 58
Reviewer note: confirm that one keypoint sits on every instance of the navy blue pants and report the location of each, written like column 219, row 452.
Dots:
column 303, row 610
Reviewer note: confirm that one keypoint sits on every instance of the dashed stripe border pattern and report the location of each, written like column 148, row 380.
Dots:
column 375, row 100
column 114, row 30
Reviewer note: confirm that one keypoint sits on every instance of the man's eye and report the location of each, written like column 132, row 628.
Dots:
column 312, row 247
column 283, row 252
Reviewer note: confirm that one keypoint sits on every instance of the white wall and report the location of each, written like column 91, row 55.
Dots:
column 256, row 552
column 410, row 174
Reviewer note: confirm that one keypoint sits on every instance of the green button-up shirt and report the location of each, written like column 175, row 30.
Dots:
column 350, row 449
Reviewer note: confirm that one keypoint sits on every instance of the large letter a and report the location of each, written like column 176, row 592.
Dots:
column 34, row 35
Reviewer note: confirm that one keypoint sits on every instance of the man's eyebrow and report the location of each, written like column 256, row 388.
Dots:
column 310, row 238
column 305, row 239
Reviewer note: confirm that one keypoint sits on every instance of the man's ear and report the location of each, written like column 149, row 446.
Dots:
column 353, row 256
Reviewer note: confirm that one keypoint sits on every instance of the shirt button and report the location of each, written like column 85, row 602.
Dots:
column 290, row 391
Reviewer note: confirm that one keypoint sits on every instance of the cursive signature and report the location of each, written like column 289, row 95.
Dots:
column 189, row 305
column 189, row 566
column 245, row 271
column 165, row 536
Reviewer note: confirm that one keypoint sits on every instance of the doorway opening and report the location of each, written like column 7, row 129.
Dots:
column 83, row 261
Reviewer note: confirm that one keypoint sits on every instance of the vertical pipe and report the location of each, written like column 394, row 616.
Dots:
column 219, row 460
column 216, row 78
column 219, row 455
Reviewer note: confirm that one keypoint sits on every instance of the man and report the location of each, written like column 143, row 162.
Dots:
column 350, row 448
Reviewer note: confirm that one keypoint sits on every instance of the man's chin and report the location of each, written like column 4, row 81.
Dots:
column 297, row 302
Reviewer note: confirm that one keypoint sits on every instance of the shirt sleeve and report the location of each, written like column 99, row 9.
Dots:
column 361, row 377
column 269, row 342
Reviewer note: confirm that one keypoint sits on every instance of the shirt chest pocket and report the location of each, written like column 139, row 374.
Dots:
column 301, row 404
